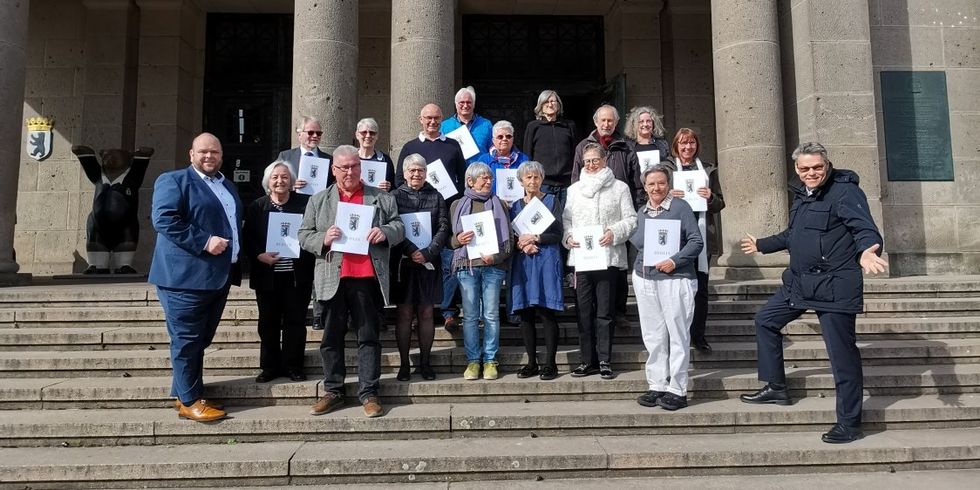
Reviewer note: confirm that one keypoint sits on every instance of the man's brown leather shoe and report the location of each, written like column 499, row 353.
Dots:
column 208, row 403
column 199, row 412
column 327, row 403
column 372, row 407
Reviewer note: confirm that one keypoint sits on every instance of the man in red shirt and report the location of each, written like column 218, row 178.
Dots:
column 350, row 286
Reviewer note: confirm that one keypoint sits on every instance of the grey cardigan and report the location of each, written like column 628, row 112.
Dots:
column 319, row 217
column 685, row 260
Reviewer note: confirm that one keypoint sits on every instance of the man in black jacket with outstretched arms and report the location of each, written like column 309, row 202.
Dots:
column 831, row 237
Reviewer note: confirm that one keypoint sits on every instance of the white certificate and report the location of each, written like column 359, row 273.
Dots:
column 509, row 187
column 647, row 159
column 466, row 142
column 534, row 219
column 690, row 181
column 661, row 240
column 418, row 228
column 373, row 172
column 484, row 234
column 438, row 177
column 315, row 171
column 282, row 236
column 354, row 221
column 589, row 256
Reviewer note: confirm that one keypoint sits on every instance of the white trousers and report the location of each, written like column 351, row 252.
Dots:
column 666, row 310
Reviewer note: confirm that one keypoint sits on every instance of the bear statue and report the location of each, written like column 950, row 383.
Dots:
column 113, row 225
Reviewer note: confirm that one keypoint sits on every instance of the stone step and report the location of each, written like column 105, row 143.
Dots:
column 140, row 392
column 98, row 427
column 504, row 458
column 152, row 315
column 101, row 337
column 227, row 361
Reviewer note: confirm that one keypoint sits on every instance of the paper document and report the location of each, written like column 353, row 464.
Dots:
column 373, row 172
column 466, row 142
column 315, row 171
column 661, row 240
column 282, row 235
column 354, row 221
column 690, row 181
column 534, row 219
column 485, row 234
column 647, row 159
column 509, row 187
column 589, row 256
column 438, row 177
column 418, row 228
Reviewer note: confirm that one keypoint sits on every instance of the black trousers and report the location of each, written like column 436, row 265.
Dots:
column 530, row 334
column 839, row 337
column 282, row 317
column 360, row 300
column 595, row 293
column 698, row 323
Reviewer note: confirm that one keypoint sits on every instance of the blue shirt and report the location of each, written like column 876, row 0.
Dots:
column 481, row 129
column 216, row 185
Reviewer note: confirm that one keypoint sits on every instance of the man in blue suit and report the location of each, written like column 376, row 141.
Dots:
column 197, row 215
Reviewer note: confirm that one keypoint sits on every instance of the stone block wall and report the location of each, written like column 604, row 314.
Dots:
column 933, row 226
column 374, row 68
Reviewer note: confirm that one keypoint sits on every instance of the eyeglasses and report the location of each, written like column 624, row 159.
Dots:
column 505, row 136
column 312, row 133
column 367, row 132
column 592, row 161
column 348, row 168
column 416, row 170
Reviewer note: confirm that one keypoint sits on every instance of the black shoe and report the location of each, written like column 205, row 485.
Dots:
column 649, row 399
column 426, row 371
column 90, row 270
column 548, row 372
column 842, row 434
column 527, row 371
column 768, row 394
column 584, row 370
column 672, row 402
column 317, row 323
column 297, row 375
column 265, row 377
column 605, row 371
column 126, row 269
column 702, row 346
column 404, row 373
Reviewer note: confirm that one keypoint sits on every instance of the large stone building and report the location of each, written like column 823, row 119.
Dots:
column 754, row 77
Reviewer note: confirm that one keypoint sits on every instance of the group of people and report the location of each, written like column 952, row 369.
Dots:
column 608, row 194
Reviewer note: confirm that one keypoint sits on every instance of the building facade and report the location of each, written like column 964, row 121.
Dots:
column 891, row 87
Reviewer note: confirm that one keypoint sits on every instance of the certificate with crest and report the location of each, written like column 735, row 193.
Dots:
column 315, row 171
column 282, row 235
column 534, row 219
column 690, row 181
column 466, row 142
column 418, row 228
column 354, row 221
column 589, row 256
column 484, row 234
column 647, row 159
column 661, row 240
column 437, row 176
column 509, row 187
column 373, row 172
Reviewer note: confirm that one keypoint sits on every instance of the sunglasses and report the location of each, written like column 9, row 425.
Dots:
column 313, row 133
column 367, row 132
column 505, row 136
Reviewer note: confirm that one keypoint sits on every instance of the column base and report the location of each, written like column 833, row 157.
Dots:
column 741, row 267
column 8, row 279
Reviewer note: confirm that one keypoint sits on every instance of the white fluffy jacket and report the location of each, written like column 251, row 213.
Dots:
column 600, row 199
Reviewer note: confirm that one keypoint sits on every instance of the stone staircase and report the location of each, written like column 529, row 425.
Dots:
column 84, row 382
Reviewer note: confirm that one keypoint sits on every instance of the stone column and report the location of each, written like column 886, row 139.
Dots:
column 325, row 67
column 13, row 56
column 422, row 65
column 751, row 142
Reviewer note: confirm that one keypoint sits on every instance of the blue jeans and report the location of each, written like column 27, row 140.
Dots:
column 480, row 288
column 449, row 283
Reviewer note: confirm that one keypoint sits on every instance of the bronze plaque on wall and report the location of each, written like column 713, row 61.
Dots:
column 916, row 119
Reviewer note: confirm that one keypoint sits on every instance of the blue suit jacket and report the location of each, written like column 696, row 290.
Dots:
column 186, row 213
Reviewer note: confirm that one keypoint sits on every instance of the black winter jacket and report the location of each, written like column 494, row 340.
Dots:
column 552, row 144
column 416, row 201
column 253, row 242
column 828, row 230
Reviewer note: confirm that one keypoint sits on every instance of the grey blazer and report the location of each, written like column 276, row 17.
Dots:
column 319, row 217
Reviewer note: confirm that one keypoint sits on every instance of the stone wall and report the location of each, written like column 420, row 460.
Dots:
column 933, row 227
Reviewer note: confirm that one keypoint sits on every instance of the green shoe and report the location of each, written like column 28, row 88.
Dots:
column 473, row 371
column 490, row 370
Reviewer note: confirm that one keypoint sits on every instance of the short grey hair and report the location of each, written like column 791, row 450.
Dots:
column 542, row 98
column 811, row 148
column 306, row 120
column 345, row 151
column 466, row 90
column 530, row 167
column 267, row 173
column 413, row 160
column 658, row 168
column 595, row 115
column 603, row 153
column 502, row 124
column 475, row 170
column 632, row 128
column 367, row 123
